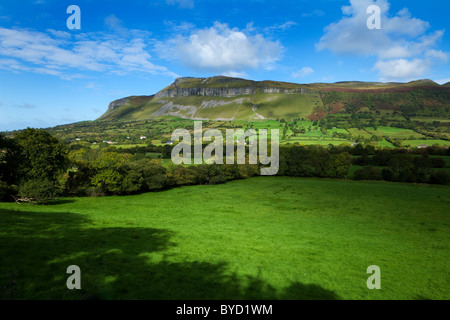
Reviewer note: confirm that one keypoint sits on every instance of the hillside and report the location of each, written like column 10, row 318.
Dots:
column 224, row 98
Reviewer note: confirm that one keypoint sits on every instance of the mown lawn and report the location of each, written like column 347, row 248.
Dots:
column 261, row 238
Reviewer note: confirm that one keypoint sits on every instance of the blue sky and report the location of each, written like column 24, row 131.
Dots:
column 51, row 75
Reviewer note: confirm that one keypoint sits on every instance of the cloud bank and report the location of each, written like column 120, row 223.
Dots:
column 66, row 55
column 403, row 47
column 222, row 49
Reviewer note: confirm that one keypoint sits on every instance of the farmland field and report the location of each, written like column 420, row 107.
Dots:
column 304, row 239
column 416, row 143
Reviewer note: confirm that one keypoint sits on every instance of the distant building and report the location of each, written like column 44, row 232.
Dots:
column 143, row 137
column 422, row 146
column 169, row 142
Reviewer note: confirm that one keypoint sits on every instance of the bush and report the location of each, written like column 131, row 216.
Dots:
column 79, row 179
column 248, row 171
column 154, row 175
column 94, row 192
column 235, row 171
column 183, row 176
column 4, row 191
column 38, row 189
column 216, row 174
column 368, row 173
column 438, row 162
column 387, row 174
column 440, row 177
column 132, row 182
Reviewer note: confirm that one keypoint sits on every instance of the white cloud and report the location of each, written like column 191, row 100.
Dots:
column 185, row 4
column 303, row 72
column 92, row 85
column 314, row 13
column 278, row 27
column 115, row 24
column 182, row 27
column 436, row 55
column 442, row 81
column 234, row 74
column 401, row 68
column 222, row 49
column 67, row 56
column 25, row 106
column 401, row 44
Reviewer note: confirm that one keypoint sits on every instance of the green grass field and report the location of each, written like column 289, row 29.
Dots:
column 261, row 238
column 416, row 143
column 316, row 141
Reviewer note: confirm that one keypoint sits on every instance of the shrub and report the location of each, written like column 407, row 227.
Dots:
column 38, row 189
column 387, row 174
column 248, row 171
column 132, row 182
column 216, row 174
column 368, row 173
column 4, row 191
column 440, row 177
column 94, row 192
column 438, row 162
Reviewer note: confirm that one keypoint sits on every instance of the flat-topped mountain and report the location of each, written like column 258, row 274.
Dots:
column 225, row 98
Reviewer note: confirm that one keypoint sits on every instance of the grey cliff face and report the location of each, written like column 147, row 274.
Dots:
column 251, row 87
column 118, row 103
column 285, row 91
column 175, row 91
column 206, row 92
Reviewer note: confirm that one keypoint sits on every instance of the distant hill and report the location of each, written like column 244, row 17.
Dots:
column 225, row 98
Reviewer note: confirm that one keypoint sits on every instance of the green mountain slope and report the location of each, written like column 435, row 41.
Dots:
column 224, row 98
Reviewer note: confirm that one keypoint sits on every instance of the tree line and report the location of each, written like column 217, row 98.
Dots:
column 35, row 165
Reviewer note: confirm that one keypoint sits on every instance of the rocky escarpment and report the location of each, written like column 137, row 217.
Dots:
column 205, row 92
column 285, row 91
column 118, row 103
column 225, row 92
column 226, row 98
column 115, row 105
column 133, row 100
column 223, row 87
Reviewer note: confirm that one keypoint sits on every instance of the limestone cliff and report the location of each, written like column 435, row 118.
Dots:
column 224, row 87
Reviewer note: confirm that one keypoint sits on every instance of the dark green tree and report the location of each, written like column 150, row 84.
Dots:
column 43, row 161
column 42, row 155
column 9, row 161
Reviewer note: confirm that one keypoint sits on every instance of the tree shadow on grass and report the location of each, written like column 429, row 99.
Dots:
column 54, row 202
column 116, row 263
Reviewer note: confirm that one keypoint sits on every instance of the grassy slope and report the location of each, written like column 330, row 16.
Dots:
column 268, row 105
column 262, row 238
column 283, row 106
column 287, row 106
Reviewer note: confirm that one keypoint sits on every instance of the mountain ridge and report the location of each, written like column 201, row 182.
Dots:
column 228, row 98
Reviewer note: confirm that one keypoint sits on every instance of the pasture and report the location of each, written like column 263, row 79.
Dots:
column 261, row 238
